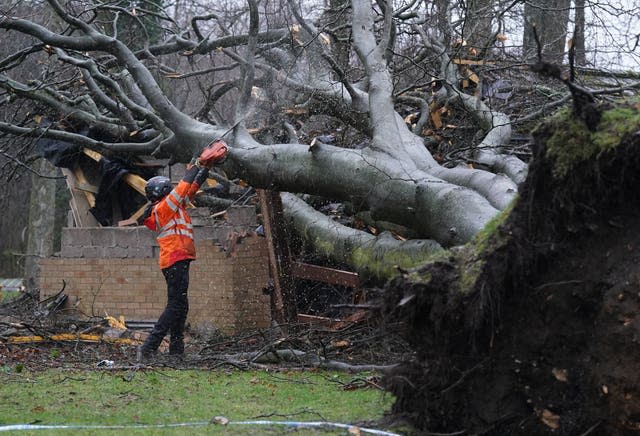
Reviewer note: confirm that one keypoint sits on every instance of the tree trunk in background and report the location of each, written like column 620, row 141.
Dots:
column 12, row 223
column 578, row 35
column 42, row 208
column 444, row 21
column 550, row 18
column 337, row 19
column 477, row 29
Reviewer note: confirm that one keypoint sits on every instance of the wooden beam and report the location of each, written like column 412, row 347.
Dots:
column 79, row 203
column 459, row 61
column 323, row 274
column 283, row 298
column 81, row 180
column 334, row 324
column 133, row 219
column 86, row 187
column 318, row 320
column 136, row 182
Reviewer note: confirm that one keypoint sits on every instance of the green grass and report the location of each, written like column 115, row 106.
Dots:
column 186, row 396
column 8, row 295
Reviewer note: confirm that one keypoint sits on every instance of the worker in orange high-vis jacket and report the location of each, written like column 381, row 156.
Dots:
column 168, row 216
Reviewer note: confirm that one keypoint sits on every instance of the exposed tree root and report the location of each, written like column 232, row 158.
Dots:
column 500, row 350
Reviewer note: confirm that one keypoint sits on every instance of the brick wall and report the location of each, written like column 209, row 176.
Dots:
column 115, row 270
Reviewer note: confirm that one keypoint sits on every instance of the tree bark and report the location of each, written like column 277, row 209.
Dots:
column 550, row 18
column 578, row 34
column 478, row 33
column 42, row 206
column 374, row 257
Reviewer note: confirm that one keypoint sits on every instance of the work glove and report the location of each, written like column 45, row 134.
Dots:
column 214, row 153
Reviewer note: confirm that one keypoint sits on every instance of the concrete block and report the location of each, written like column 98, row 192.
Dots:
column 103, row 236
column 115, row 252
column 125, row 236
column 211, row 233
column 140, row 252
column 92, row 252
column 222, row 234
column 198, row 221
column 76, row 236
column 146, row 237
column 202, row 212
column 70, row 251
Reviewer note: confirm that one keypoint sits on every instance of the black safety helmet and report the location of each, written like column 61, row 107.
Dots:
column 157, row 187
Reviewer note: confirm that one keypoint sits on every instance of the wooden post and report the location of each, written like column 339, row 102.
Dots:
column 283, row 298
column 80, row 204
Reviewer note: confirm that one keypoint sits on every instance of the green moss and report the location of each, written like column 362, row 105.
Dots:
column 480, row 241
column 365, row 259
column 324, row 247
column 419, row 277
column 572, row 143
column 469, row 273
column 471, row 258
column 369, row 261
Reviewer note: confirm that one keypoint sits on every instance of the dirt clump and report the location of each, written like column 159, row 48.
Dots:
column 532, row 328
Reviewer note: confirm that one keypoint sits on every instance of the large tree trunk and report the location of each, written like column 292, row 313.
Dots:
column 550, row 18
column 42, row 206
column 477, row 30
column 529, row 330
column 578, row 34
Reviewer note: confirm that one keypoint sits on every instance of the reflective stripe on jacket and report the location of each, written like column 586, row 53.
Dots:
column 171, row 220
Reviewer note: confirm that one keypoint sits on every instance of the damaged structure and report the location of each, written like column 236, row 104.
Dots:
column 114, row 270
column 109, row 267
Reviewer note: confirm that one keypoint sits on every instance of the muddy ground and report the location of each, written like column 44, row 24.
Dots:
column 345, row 346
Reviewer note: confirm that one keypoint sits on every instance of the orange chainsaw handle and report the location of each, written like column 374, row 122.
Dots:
column 214, row 153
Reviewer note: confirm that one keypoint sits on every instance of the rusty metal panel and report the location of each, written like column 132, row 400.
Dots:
column 325, row 275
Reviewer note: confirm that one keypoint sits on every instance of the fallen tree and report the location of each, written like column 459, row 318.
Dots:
column 95, row 83
column 98, row 92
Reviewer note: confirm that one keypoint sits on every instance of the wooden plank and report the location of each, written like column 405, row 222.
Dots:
column 354, row 318
column 459, row 61
column 323, row 274
column 136, row 182
column 318, row 320
column 81, row 180
column 79, row 204
column 133, row 219
column 86, row 187
column 92, row 154
column 335, row 324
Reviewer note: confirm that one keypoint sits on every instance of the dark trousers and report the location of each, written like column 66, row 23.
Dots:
column 174, row 316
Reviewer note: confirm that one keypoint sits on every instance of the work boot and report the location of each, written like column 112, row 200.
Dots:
column 176, row 350
column 176, row 345
column 144, row 355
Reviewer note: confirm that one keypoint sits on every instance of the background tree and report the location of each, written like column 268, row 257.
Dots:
column 478, row 32
column 578, row 34
column 551, row 19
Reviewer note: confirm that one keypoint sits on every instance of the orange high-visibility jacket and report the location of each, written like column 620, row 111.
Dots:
column 169, row 217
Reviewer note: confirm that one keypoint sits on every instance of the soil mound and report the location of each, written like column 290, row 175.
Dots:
column 534, row 329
